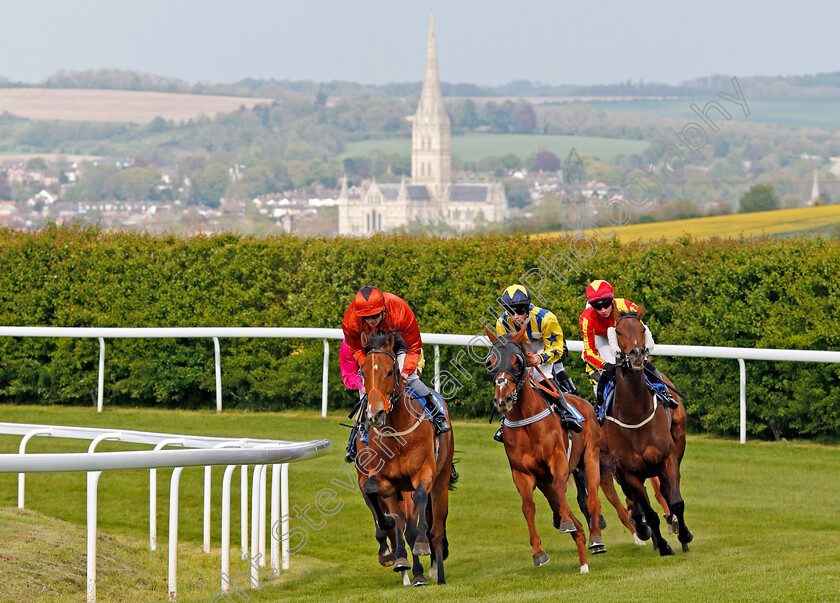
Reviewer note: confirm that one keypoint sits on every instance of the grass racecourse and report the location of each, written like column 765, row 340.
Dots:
column 763, row 514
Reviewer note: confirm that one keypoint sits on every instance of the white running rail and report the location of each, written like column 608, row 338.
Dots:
column 471, row 342
column 202, row 451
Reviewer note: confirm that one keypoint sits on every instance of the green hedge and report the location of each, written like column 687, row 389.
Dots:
column 766, row 293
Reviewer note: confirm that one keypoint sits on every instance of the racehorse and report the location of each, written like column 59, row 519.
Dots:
column 540, row 451
column 645, row 439
column 403, row 461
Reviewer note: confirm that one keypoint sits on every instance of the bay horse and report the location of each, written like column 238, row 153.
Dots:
column 402, row 466
column 540, row 452
column 644, row 437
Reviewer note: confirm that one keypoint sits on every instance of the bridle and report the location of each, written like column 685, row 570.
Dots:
column 395, row 391
column 623, row 359
column 501, row 378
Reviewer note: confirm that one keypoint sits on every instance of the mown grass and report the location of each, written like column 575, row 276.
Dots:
column 472, row 147
column 781, row 222
column 762, row 514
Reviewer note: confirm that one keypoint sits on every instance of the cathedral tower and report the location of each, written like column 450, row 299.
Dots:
column 431, row 154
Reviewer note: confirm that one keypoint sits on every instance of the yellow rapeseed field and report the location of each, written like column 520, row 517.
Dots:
column 779, row 222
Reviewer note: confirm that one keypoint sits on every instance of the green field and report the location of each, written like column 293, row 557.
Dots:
column 822, row 114
column 472, row 147
column 762, row 514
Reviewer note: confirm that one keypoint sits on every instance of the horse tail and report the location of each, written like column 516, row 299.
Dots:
column 453, row 476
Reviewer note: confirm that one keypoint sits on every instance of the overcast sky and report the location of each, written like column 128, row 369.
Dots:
column 483, row 42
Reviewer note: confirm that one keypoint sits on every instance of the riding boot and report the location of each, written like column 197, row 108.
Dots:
column 438, row 416
column 498, row 435
column 599, row 397
column 567, row 417
column 350, row 451
column 565, row 382
column 653, row 372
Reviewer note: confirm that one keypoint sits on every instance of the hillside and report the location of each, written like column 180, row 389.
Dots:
column 116, row 105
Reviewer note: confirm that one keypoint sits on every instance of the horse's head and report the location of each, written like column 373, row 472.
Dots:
column 628, row 340
column 506, row 365
column 383, row 383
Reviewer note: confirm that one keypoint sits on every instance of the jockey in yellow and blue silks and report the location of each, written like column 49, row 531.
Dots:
column 545, row 345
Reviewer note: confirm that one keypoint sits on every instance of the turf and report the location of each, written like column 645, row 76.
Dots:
column 762, row 514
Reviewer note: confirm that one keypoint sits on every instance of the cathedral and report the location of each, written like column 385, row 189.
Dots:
column 429, row 197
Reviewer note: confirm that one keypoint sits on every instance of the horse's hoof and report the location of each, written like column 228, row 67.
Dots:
column 419, row 581
column 669, row 550
column 596, row 546
column 541, row 559
column 401, row 564
column 421, row 548
column 566, row 526
column 643, row 531
column 602, row 523
column 584, row 569
column 685, row 547
column 638, row 540
column 689, row 538
column 386, row 560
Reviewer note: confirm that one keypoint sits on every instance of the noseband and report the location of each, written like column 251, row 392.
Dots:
column 395, row 391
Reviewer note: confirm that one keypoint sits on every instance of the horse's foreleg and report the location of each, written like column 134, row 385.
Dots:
column 593, row 503
column 657, row 492
column 671, row 487
column 421, row 543
column 525, row 484
column 556, row 495
column 608, row 488
column 636, row 486
column 440, row 509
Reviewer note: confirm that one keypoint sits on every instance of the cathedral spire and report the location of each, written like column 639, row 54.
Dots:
column 431, row 154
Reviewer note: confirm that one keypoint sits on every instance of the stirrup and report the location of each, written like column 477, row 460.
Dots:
column 441, row 425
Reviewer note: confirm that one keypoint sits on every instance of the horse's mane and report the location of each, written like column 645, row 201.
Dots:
column 378, row 338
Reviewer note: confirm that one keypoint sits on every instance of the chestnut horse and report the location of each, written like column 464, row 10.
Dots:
column 539, row 450
column 646, row 439
column 403, row 461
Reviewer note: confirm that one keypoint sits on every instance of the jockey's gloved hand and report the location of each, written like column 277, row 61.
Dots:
column 609, row 369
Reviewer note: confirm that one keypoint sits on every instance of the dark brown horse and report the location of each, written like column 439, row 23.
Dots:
column 646, row 439
column 403, row 461
column 539, row 450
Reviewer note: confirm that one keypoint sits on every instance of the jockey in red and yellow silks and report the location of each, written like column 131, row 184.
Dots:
column 545, row 347
column 601, row 312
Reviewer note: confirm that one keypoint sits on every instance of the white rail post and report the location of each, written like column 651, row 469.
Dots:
column 153, row 492
column 218, row 374
column 743, row 383
column 325, row 378
column 263, row 480
column 92, row 483
column 225, row 578
column 275, row 518
column 101, row 394
column 205, row 546
column 284, row 512
column 243, row 506
column 437, row 369
column 173, row 532
column 253, row 565
column 22, row 450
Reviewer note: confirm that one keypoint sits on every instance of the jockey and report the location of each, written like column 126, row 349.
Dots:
column 372, row 310
column 545, row 344
column 601, row 312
